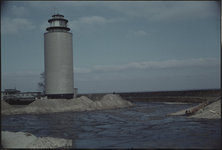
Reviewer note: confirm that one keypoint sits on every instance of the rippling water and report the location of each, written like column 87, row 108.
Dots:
column 144, row 126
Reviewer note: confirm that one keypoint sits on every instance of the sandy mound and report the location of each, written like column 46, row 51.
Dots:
column 5, row 106
column 28, row 140
column 82, row 103
column 211, row 111
column 114, row 101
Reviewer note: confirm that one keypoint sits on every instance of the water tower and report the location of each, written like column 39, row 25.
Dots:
column 58, row 53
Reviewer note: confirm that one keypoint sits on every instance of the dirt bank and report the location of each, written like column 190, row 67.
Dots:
column 211, row 111
column 193, row 96
column 190, row 96
column 82, row 103
column 28, row 140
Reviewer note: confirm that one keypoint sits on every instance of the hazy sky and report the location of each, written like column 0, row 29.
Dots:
column 117, row 46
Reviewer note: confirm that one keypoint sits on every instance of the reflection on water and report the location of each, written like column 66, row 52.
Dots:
column 144, row 126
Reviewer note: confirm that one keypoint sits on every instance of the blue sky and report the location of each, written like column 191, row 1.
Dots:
column 117, row 46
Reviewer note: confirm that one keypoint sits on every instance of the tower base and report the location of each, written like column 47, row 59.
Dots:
column 59, row 96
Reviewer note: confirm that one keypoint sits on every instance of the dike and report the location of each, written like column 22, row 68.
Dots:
column 190, row 96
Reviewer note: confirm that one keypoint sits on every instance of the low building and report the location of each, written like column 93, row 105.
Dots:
column 13, row 96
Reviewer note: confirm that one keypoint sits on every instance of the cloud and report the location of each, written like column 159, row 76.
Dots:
column 151, row 10
column 45, row 5
column 43, row 26
column 169, row 64
column 192, row 72
column 165, row 11
column 154, row 65
column 199, row 73
column 22, row 80
column 41, row 5
column 16, row 25
column 19, row 11
column 91, row 22
column 21, row 74
column 132, row 33
column 184, row 11
column 81, row 70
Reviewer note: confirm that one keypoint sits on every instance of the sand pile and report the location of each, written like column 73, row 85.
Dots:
column 42, row 106
column 211, row 111
column 114, row 101
column 5, row 106
column 28, row 140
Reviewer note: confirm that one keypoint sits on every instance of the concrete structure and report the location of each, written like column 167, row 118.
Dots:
column 58, row 52
column 75, row 92
column 13, row 96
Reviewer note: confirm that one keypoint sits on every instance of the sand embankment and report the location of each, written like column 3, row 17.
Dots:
column 211, row 111
column 28, row 140
column 42, row 106
column 192, row 96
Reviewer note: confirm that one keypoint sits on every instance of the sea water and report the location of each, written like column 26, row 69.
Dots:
column 143, row 126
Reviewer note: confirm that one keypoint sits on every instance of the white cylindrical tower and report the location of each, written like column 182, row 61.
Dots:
column 58, row 52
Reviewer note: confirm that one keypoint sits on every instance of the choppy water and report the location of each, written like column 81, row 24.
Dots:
column 144, row 126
